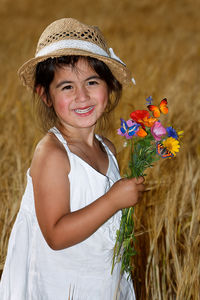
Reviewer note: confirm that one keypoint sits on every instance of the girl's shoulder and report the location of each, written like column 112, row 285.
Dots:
column 49, row 151
column 109, row 144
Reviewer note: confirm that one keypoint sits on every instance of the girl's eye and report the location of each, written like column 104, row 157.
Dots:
column 92, row 82
column 67, row 87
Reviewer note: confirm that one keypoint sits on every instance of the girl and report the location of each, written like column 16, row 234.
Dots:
column 61, row 245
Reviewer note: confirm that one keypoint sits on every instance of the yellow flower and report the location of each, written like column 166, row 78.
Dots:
column 172, row 145
column 180, row 134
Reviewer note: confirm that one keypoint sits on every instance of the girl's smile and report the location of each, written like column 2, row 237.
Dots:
column 79, row 95
column 85, row 111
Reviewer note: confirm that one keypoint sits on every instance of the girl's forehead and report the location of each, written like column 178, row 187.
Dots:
column 81, row 69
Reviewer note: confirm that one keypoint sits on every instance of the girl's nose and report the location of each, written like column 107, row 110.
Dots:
column 81, row 94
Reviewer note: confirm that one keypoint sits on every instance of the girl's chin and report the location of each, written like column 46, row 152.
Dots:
column 78, row 125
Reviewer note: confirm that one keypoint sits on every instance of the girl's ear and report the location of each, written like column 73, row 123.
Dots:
column 43, row 96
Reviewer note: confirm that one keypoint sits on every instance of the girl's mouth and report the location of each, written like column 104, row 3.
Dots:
column 84, row 110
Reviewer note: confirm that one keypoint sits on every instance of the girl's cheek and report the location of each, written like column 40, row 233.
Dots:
column 62, row 104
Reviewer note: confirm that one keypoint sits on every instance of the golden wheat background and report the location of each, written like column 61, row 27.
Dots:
column 160, row 42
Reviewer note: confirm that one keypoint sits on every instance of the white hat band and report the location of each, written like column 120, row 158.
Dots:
column 77, row 44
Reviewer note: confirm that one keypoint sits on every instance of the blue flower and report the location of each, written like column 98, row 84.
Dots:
column 171, row 132
column 149, row 100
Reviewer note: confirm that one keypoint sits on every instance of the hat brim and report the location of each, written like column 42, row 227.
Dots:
column 27, row 71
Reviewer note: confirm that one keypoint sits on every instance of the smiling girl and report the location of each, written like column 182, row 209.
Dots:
column 61, row 245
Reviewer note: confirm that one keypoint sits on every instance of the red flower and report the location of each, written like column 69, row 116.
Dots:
column 139, row 115
column 143, row 118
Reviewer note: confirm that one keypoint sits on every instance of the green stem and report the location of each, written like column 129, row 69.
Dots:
column 142, row 155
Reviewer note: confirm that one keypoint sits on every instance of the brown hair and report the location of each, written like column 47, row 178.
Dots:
column 44, row 75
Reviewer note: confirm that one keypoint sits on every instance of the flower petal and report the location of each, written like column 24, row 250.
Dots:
column 139, row 115
column 141, row 132
column 171, row 132
column 157, row 130
column 172, row 145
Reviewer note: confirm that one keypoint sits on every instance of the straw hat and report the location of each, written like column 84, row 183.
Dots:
column 70, row 37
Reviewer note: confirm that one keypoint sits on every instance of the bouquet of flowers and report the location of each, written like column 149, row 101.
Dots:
column 149, row 141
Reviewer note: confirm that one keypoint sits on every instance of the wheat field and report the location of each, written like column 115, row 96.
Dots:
column 160, row 42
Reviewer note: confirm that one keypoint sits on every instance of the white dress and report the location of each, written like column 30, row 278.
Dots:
column 33, row 271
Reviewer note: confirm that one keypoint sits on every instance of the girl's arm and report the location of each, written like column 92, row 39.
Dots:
column 60, row 227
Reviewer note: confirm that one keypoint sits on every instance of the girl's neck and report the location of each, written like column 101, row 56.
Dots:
column 78, row 135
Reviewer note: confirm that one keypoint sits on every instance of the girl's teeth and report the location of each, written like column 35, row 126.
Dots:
column 83, row 111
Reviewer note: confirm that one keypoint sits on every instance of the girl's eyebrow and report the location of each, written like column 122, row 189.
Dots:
column 63, row 82
column 93, row 77
column 68, row 81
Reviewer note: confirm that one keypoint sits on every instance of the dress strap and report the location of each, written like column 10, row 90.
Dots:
column 99, row 138
column 59, row 136
column 109, row 152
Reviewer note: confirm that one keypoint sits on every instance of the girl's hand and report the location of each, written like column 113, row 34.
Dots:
column 126, row 192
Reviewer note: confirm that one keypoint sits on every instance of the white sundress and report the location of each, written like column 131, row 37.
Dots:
column 33, row 271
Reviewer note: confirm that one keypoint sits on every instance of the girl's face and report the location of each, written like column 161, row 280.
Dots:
column 79, row 95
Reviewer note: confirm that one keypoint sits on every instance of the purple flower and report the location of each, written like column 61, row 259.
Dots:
column 171, row 132
column 157, row 130
column 128, row 128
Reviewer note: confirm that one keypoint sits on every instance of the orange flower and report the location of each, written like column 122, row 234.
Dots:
column 141, row 132
column 149, row 121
